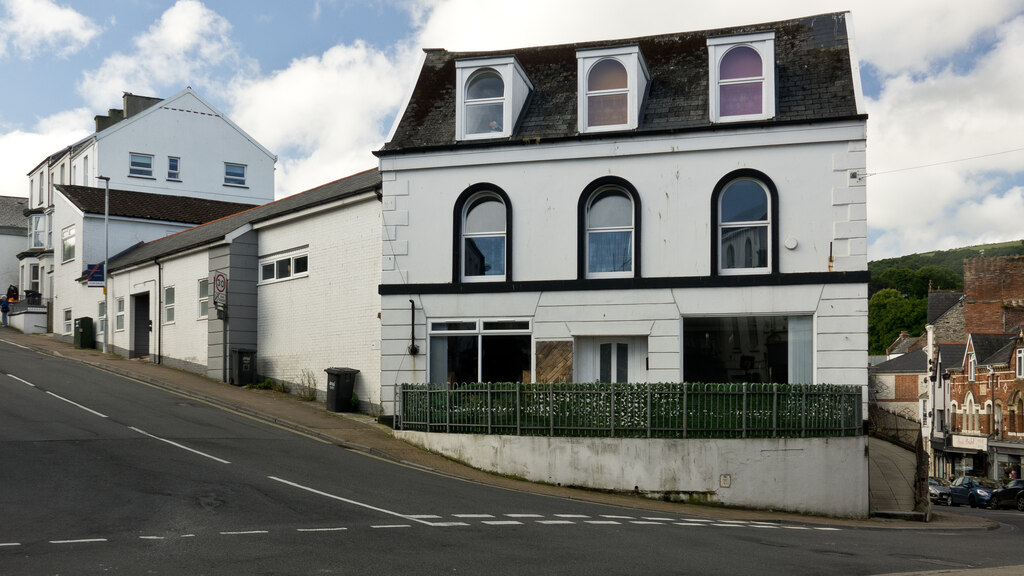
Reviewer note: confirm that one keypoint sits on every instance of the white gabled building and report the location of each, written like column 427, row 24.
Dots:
column 679, row 207
column 179, row 146
column 302, row 276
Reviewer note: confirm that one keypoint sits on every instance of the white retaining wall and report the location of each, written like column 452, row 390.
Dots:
column 822, row 476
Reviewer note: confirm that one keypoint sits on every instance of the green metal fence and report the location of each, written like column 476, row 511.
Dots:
column 662, row 410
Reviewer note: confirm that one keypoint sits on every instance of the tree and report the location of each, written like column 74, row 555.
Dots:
column 891, row 312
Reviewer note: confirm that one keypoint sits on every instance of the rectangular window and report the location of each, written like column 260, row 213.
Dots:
column 49, row 230
column 37, row 235
column 284, row 267
column 119, row 314
column 1020, row 362
column 972, row 367
column 464, row 351
column 204, row 298
column 67, row 244
column 74, row 173
column 748, row 349
column 140, row 165
column 169, row 305
column 234, row 174
column 42, row 179
column 102, row 316
column 34, row 277
column 85, row 171
column 62, row 174
column 173, row 168
column 67, row 321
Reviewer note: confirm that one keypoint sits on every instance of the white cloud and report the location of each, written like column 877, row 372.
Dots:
column 32, row 26
column 26, row 148
column 189, row 45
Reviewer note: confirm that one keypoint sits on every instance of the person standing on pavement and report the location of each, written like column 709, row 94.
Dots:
column 4, row 308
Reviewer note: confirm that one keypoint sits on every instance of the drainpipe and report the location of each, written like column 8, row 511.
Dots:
column 413, row 348
column 159, row 309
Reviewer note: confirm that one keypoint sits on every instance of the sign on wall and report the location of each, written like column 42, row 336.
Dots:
column 220, row 289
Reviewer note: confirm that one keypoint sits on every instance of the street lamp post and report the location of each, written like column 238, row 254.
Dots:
column 106, row 251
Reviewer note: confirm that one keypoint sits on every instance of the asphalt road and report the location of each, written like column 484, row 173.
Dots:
column 104, row 475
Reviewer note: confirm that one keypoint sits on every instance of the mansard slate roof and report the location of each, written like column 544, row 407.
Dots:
column 813, row 82
column 12, row 215
column 940, row 302
column 146, row 206
column 216, row 230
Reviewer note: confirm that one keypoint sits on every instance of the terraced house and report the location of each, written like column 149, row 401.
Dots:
column 679, row 207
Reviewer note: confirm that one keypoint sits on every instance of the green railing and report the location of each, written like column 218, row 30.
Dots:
column 661, row 410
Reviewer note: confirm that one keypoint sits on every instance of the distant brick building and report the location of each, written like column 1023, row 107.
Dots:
column 995, row 294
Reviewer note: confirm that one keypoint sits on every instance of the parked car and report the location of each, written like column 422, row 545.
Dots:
column 1010, row 495
column 971, row 490
column 938, row 491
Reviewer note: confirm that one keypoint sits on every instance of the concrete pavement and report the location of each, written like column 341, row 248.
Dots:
column 360, row 432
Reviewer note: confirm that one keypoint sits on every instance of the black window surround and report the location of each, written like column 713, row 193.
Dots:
column 457, row 222
column 773, row 228
column 581, row 222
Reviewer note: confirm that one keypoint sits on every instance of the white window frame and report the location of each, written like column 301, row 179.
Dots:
column 1020, row 362
column 637, row 78
column 766, row 223
column 37, row 231
column 435, row 329
column 276, row 260
column 587, row 361
column 203, row 304
column 85, row 170
column 119, row 315
column 174, row 173
column 631, row 229
column 137, row 168
column 169, row 299
column 234, row 180
column 764, row 44
column 68, row 322
column 101, row 315
column 35, row 277
column 466, row 236
column 67, row 236
column 517, row 88
column 972, row 367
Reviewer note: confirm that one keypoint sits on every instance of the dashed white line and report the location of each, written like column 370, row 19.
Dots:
column 647, row 523
column 353, row 502
column 764, row 526
column 425, row 516
column 550, row 522
column 728, row 525
column 659, row 519
column 244, row 532
column 392, row 526
column 829, row 529
column 448, row 524
column 78, row 541
column 22, row 381
column 182, row 446
column 617, row 517
column 796, row 527
column 9, row 544
column 609, row 522
column 473, row 515
column 571, row 516
column 701, row 520
column 732, row 521
column 503, row 522
column 76, row 404
column 698, row 524
column 152, row 538
column 320, row 529
column 524, row 516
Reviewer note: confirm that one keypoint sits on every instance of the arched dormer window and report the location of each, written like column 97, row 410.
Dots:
column 490, row 95
column 611, row 84
column 742, row 77
column 609, row 225
column 744, row 208
column 607, row 94
column 482, row 235
column 485, row 102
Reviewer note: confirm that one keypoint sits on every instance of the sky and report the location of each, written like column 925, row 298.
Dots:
column 319, row 83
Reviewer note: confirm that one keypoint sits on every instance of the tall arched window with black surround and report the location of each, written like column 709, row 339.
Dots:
column 744, row 209
column 609, row 230
column 482, row 246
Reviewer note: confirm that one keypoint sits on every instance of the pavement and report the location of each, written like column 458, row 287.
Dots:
column 360, row 432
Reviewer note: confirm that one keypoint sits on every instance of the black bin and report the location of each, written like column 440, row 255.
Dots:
column 85, row 335
column 243, row 367
column 33, row 297
column 341, row 383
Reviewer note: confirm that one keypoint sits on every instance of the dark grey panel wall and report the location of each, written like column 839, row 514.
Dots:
column 239, row 261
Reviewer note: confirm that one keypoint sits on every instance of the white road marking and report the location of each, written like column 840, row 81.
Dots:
column 659, row 519
column 6, row 341
column 617, row 517
column 503, row 522
column 473, row 515
column 796, row 527
column 76, row 404
column 447, row 524
column 346, row 500
column 244, row 532
column 604, row 522
column 151, row 538
column 829, row 529
column 392, row 526
column 728, row 525
column 524, row 515
column 425, row 516
column 690, row 524
column 79, row 541
column 187, row 536
column 732, row 521
column 3, row 544
column 555, row 522
column 696, row 520
column 647, row 523
column 182, row 446
column 320, row 529
column 22, row 381
column 764, row 526
column 571, row 516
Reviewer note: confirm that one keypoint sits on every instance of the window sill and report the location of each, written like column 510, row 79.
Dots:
column 235, row 185
column 140, row 177
column 278, row 280
column 174, row 179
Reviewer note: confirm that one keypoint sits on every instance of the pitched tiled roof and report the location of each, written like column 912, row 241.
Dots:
column 216, row 230
column 814, row 82
column 940, row 302
column 987, row 347
column 913, row 362
column 952, row 355
column 145, row 206
column 12, row 215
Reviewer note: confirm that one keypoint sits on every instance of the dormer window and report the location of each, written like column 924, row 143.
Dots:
column 491, row 94
column 612, row 83
column 742, row 77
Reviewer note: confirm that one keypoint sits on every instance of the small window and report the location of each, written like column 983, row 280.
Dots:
column 34, row 277
column 85, row 171
column 37, row 235
column 483, row 234
column 67, row 321
column 611, row 86
column 234, row 174
column 67, row 244
column 119, row 315
column 169, row 305
column 607, row 94
column 972, row 367
column 742, row 77
column 204, row 298
column 140, row 165
column 490, row 93
column 174, row 168
column 463, row 351
column 743, row 226
column 1020, row 362
column 609, row 233
column 101, row 314
column 485, row 103
column 279, row 268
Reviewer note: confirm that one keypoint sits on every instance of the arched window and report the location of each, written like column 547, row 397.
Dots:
column 485, row 102
column 609, row 224
column 607, row 94
column 972, row 367
column 740, row 78
column 482, row 240
column 744, row 211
